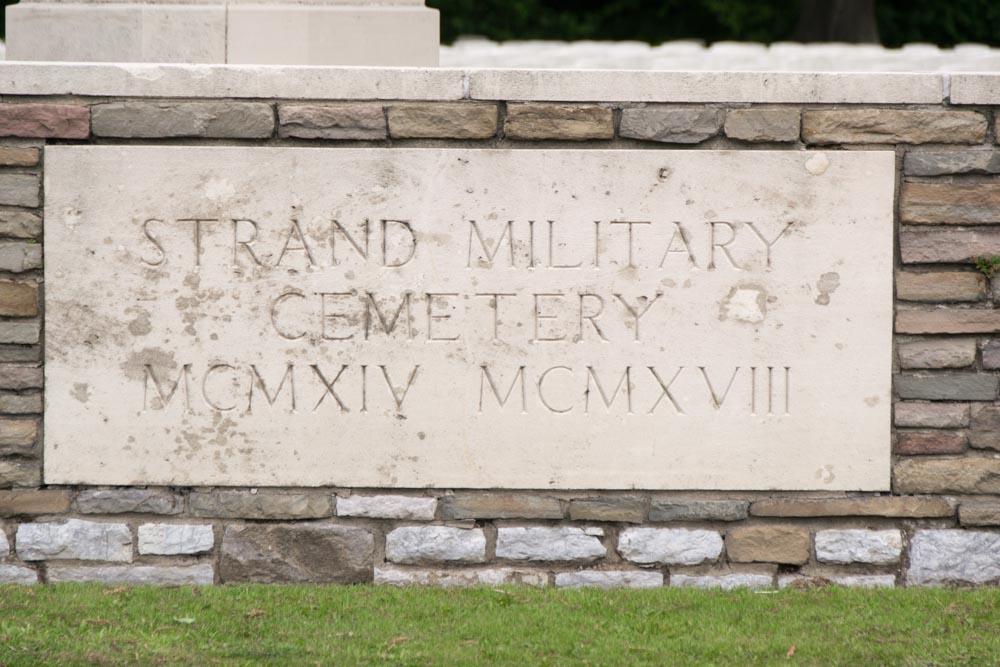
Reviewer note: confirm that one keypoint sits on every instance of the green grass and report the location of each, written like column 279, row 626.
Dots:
column 76, row 624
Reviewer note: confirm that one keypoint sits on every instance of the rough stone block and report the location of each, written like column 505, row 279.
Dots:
column 662, row 509
column 261, row 505
column 141, row 575
column 623, row 509
column 74, row 539
column 979, row 513
column 4, row 544
column 938, row 353
column 676, row 126
column 33, row 501
column 948, row 321
column 18, row 436
column 930, row 442
column 19, row 257
column 413, row 544
column 348, row 121
column 550, row 543
column 991, row 354
column 309, row 553
column 234, row 120
column 859, row 546
column 20, row 472
column 20, row 224
column 608, row 579
column 387, row 507
column 460, row 578
column 20, row 332
column 17, row 574
column 950, row 203
column 939, row 163
column 572, row 122
column 18, row 156
column 887, row 506
column 18, row 299
column 865, row 580
column 780, row 124
column 671, row 546
column 500, row 506
column 946, row 386
column 445, row 120
column 128, row 501
column 985, row 431
column 45, row 121
column 768, row 544
column 931, row 415
column 17, row 354
column 20, row 190
column 171, row 539
column 940, row 286
column 947, row 245
column 941, row 557
column 952, row 475
column 892, row 126
column 726, row 582
column 18, row 378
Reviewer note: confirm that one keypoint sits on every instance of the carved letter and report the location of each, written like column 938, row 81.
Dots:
column 166, row 398
column 274, row 315
column 325, row 316
column 397, row 397
column 156, row 243
column 626, row 380
column 634, row 310
column 431, row 316
column 258, row 381
column 495, row 305
column 246, row 243
column 768, row 244
column 357, row 248
column 541, row 393
column 303, row 246
column 329, row 387
column 552, row 244
column 717, row 400
column 679, row 233
column 539, row 316
column 204, row 387
column 665, row 390
column 722, row 246
column 631, row 263
column 387, row 327
column 508, row 233
column 197, row 235
column 502, row 401
column 592, row 317
column 402, row 224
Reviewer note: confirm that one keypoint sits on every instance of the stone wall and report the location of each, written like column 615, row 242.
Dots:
column 939, row 525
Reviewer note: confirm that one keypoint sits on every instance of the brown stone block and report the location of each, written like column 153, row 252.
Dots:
column 45, row 121
column 892, row 126
column 671, row 125
column 778, row 124
column 20, row 377
column 979, row 513
column 985, row 428
column 20, row 472
column 33, row 501
column 18, row 436
column 18, row 156
column 950, row 203
column 236, row 120
column 572, row 122
column 952, row 475
column 930, row 442
column 937, row 353
column 768, row 544
column 348, row 121
column 947, row 245
column 297, row 553
column 887, row 506
column 948, row 321
column 931, row 415
column 261, row 505
column 625, row 509
column 18, row 299
column 499, row 506
column 940, row 286
column 443, row 121
column 20, row 224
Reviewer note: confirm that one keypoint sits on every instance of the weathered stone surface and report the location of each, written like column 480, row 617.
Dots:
column 19, row 378
column 413, row 544
column 985, row 431
column 261, row 505
column 950, row 203
column 459, row 578
column 940, row 557
column 892, row 126
column 948, row 320
column 387, row 507
column 20, row 190
column 946, row 386
column 726, row 582
column 34, row 501
column 155, row 575
column 669, row 509
column 17, row 574
column 930, row 442
column 19, row 257
column 937, row 163
column 171, row 539
column 937, row 353
column 958, row 475
column 312, row 553
column 768, row 544
column 500, row 506
column 676, row 126
column 931, row 415
column 18, row 436
column 991, row 354
column 865, row 580
column 446, row 120
column 624, row 509
column 550, row 543
column 573, row 122
column 129, row 501
column 18, row 299
column 20, row 332
column 236, row 120
column 348, row 121
column 779, row 124
column 609, row 579
column 671, row 546
column 947, row 245
column 20, row 472
column 858, row 546
column 888, row 506
column 74, row 539
column 4, row 545
column 18, row 156
column 979, row 513
column 45, row 121
column 940, row 286
column 20, row 224
column 17, row 354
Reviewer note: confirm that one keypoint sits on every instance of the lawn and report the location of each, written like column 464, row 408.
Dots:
column 77, row 624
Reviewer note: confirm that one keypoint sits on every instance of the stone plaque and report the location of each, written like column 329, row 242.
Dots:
column 468, row 318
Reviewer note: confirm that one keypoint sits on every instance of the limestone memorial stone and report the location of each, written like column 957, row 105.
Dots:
column 463, row 318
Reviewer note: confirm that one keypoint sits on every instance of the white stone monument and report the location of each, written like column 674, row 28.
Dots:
column 285, row 32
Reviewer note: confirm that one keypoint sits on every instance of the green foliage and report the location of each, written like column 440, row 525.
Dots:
column 988, row 265
column 287, row 626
